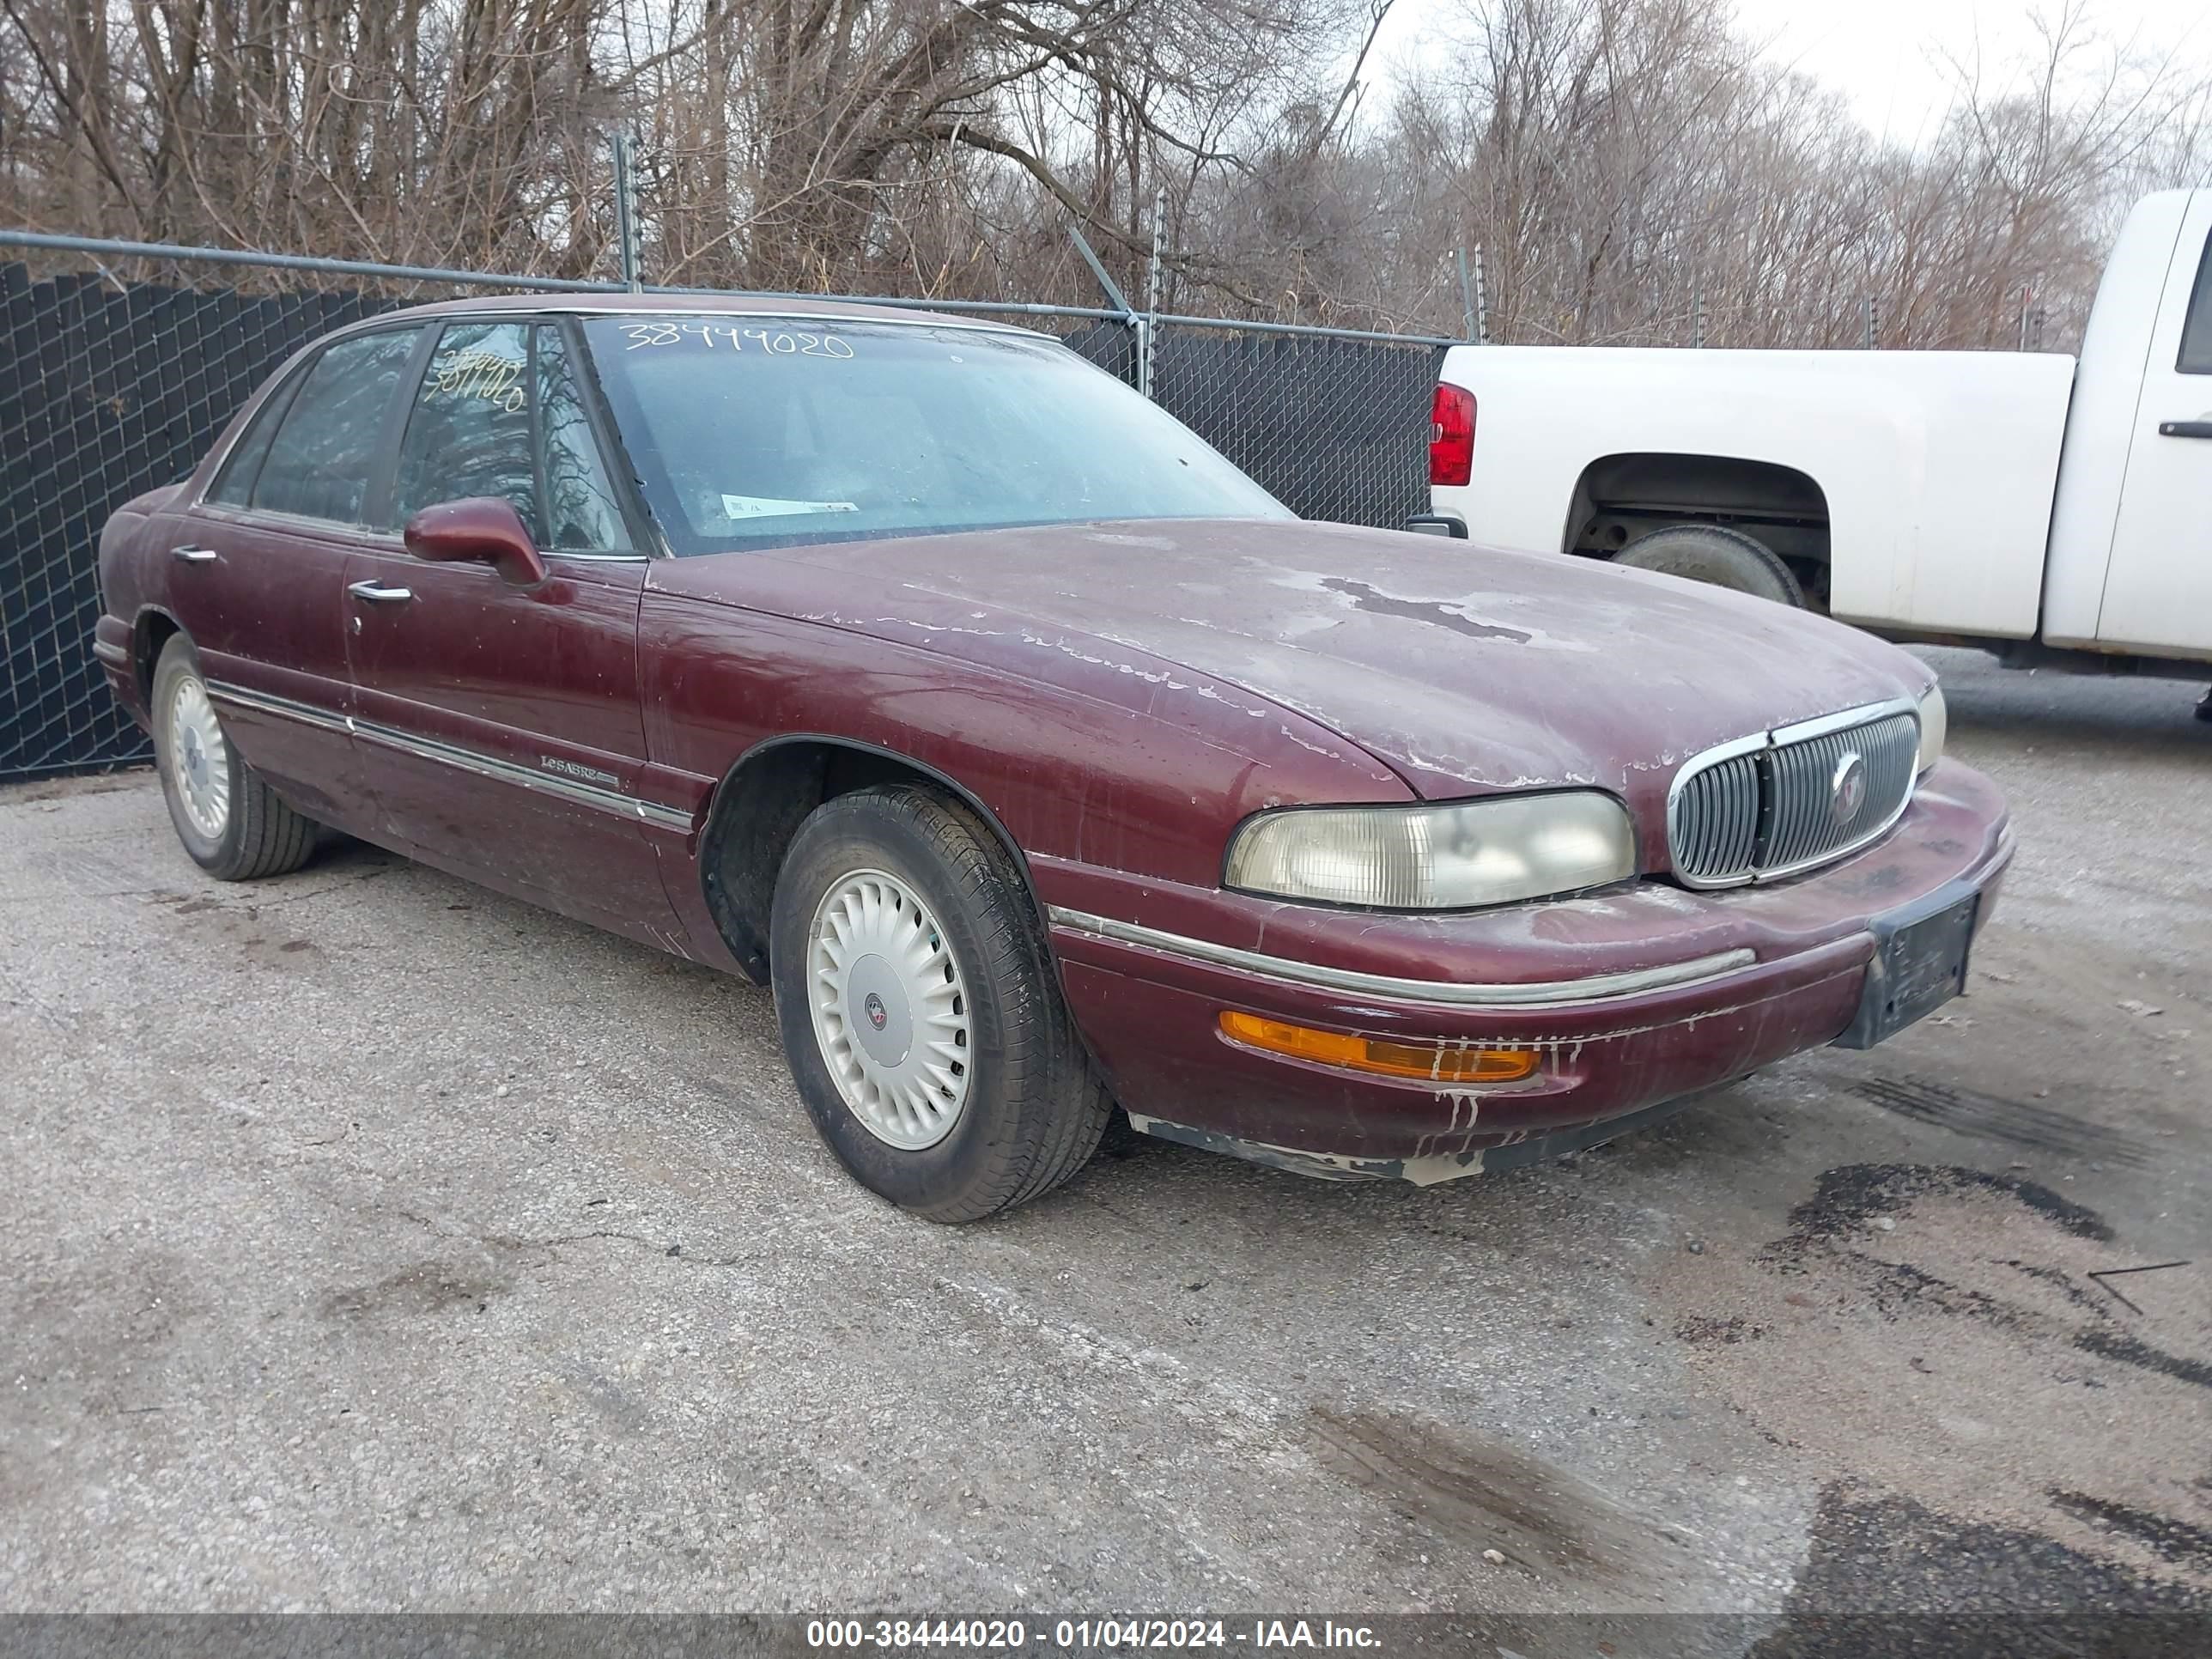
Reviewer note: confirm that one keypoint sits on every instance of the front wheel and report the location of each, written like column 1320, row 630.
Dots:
column 231, row 822
column 920, row 1011
column 1718, row 557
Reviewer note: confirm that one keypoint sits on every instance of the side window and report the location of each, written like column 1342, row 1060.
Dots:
column 469, row 433
column 2197, row 332
column 319, row 462
column 579, row 503
column 234, row 486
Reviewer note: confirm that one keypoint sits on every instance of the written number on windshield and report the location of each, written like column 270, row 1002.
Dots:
column 728, row 337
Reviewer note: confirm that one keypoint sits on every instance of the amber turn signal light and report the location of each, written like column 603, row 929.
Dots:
column 1431, row 1062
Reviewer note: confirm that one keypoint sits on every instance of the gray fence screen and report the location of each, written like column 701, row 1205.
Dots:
column 109, row 388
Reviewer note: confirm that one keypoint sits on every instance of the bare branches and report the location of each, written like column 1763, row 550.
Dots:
column 1635, row 170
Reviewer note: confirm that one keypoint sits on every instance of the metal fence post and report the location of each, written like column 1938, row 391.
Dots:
column 626, row 235
column 1870, row 322
column 1481, row 301
column 1465, row 293
column 1133, row 319
column 1697, row 315
column 1148, row 338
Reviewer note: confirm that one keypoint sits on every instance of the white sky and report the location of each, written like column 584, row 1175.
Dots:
column 1881, row 54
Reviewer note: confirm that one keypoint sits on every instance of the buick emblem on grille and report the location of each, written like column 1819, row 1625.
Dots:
column 1847, row 789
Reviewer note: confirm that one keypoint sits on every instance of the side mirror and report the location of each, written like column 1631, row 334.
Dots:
column 480, row 530
column 1437, row 524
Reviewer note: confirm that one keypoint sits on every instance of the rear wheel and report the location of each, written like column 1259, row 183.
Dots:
column 920, row 1011
column 231, row 822
column 1716, row 556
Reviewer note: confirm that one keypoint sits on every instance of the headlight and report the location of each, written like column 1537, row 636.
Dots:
column 1449, row 857
column 1935, row 724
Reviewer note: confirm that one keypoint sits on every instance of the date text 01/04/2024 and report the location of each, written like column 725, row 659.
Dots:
column 1087, row 1634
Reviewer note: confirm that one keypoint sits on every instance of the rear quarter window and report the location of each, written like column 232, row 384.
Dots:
column 319, row 464
column 2196, row 330
column 234, row 485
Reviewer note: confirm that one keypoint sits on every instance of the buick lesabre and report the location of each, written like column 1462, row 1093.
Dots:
column 1035, row 756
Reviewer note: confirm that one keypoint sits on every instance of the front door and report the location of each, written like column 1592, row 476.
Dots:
column 256, row 570
column 2158, row 588
column 500, row 724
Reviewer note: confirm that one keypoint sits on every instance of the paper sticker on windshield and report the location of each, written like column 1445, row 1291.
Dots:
column 767, row 506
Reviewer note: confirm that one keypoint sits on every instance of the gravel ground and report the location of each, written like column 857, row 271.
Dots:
column 379, row 1244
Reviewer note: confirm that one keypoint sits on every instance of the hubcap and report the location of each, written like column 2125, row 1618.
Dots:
column 200, row 758
column 890, row 1010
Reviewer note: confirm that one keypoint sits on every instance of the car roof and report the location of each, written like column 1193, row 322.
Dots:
column 697, row 305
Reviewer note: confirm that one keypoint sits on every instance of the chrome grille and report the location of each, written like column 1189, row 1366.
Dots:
column 1715, row 823
column 1770, row 805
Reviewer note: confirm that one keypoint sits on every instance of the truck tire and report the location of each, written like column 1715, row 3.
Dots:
column 1713, row 554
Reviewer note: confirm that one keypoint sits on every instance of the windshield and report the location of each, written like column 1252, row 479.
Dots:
column 749, row 432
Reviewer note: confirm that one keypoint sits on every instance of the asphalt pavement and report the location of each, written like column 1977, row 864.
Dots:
column 376, row 1242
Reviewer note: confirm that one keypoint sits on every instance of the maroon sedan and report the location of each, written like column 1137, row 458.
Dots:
column 1035, row 756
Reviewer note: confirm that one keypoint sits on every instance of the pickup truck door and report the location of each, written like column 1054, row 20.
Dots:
column 2157, row 586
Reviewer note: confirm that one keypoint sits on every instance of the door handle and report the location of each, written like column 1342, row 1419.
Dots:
column 194, row 555
column 378, row 593
column 2184, row 429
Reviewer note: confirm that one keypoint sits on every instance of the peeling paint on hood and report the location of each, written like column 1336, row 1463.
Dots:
column 1465, row 669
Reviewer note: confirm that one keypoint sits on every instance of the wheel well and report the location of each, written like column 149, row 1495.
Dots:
column 1620, row 497
column 148, row 635
column 759, row 807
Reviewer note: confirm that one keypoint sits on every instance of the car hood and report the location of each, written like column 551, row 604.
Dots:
column 1465, row 669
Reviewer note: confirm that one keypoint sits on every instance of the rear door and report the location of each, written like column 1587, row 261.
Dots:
column 500, row 724
column 256, row 569
column 2158, row 588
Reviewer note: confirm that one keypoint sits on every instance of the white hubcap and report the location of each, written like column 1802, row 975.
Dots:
column 200, row 758
column 890, row 1010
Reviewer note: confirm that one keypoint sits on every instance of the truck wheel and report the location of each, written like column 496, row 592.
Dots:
column 231, row 822
column 919, row 1011
column 1724, row 558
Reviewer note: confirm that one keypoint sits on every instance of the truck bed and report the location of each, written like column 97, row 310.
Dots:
column 1914, row 449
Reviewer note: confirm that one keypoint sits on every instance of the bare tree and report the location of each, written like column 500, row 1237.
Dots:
column 1634, row 170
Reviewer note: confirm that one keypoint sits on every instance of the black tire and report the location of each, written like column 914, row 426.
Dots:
column 1720, row 557
column 258, row 834
column 1035, row 1108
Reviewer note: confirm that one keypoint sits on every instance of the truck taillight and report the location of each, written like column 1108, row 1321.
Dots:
column 1451, row 436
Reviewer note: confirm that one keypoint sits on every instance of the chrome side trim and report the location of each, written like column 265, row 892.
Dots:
column 1596, row 988
column 500, row 771
column 1781, row 736
column 284, row 708
column 463, row 759
column 108, row 651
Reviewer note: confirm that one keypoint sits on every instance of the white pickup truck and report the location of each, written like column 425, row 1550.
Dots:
column 2053, row 510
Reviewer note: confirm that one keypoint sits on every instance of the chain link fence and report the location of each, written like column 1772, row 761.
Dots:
column 121, row 362
column 1335, row 425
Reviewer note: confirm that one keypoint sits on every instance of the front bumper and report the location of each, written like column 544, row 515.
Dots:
column 1636, row 998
